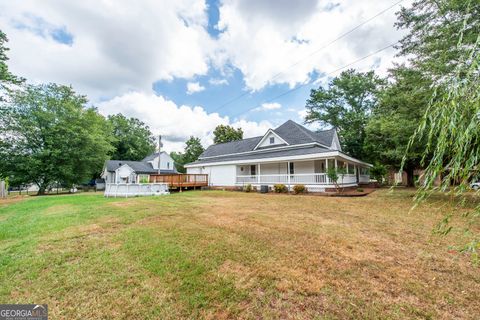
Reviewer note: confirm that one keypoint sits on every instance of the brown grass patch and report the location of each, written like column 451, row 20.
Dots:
column 371, row 252
column 232, row 255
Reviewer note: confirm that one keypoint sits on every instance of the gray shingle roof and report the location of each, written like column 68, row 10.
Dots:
column 231, row 147
column 152, row 156
column 290, row 131
column 294, row 133
column 266, row 154
column 137, row 166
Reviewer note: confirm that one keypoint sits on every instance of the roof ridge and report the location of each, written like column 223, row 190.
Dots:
column 216, row 144
column 301, row 128
column 332, row 128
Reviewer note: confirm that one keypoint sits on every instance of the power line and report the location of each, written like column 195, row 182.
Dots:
column 313, row 53
column 312, row 81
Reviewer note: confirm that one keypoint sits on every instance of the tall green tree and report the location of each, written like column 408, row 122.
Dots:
column 346, row 104
column 193, row 150
column 435, row 30
column 6, row 77
column 49, row 135
column 443, row 41
column 133, row 138
column 401, row 106
column 225, row 133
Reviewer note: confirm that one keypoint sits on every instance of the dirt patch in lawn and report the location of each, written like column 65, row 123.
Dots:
column 11, row 200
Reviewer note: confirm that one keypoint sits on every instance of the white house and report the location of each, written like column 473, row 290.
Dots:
column 290, row 154
column 123, row 171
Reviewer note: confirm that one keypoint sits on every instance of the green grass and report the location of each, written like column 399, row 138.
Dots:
column 218, row 254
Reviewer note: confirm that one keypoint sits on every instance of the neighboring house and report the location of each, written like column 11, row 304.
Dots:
column 394, row 177
column 100, row 184
column 290, row 154
column 124, row 171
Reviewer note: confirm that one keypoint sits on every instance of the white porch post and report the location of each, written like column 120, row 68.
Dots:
column 258, row 173
column 327, row 179
column 288, row 175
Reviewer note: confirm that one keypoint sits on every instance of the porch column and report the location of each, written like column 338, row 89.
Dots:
column 327, row 180
column 288, row 175
column 258, row 173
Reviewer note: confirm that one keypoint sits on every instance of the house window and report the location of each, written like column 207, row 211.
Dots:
column 291, row 168
column 168, row 165
column 272, row 140
column 253, row 170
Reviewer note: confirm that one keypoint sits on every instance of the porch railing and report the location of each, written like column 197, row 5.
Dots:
column 364, row 178
column 301, row 178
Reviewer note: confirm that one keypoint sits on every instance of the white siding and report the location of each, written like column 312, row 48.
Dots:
column 194, row 170
column 247, row 169
column 123, row 173
column 109, row 177
column 222, row 176
column 303, row 167
column 273, row 168
column 166, row 162
column 266, row 141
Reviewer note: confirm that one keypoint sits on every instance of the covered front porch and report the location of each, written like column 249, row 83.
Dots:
column 312, row 173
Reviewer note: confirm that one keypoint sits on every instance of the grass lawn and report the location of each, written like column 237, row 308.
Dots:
column 213, row 254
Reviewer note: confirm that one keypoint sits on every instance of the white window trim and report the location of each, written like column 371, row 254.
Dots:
column 270, row 131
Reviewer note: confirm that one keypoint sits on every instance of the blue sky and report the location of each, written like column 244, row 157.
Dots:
column 174, row 64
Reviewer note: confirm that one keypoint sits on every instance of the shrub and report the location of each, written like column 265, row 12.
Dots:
column 299, row 188
column 280, row 188
column 378, row 172
column 248, row 188
column 360, row 189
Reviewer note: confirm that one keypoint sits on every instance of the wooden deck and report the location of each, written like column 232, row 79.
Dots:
column 181, row 180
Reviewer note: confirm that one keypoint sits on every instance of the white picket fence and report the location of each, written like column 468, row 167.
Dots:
column 135, row 189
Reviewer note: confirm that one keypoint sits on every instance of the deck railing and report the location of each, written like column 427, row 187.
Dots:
column 181, row 180
column 301, row 178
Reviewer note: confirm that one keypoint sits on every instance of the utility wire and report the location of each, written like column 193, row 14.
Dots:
column 312, row 53
column 312, row 81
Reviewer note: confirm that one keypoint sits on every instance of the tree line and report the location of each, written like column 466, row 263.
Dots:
column 377, row 118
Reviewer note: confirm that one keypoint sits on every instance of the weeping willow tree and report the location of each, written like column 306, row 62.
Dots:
column 451, row 129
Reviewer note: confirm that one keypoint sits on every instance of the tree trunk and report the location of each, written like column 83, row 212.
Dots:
column 41, row 190
column 410, row 176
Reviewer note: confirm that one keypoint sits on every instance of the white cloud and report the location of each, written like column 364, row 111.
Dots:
column 302, row 114
column 193, row 87
column 121, row 46
column 176, row 123
column 271, row 106
column 118, row 46
column 217, row 82
column 268, row 106
column 257, row 40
